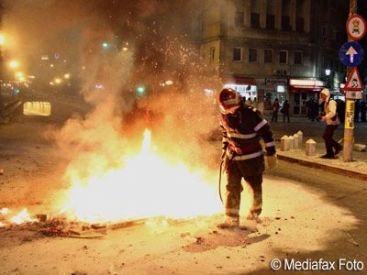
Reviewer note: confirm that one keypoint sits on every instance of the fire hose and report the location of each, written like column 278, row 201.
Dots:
column 220, row 180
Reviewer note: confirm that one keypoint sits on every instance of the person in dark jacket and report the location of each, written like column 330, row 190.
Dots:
column 275, row 109
column 363, row 110
column 285, row 111
column 357, row 109
column 243, row 127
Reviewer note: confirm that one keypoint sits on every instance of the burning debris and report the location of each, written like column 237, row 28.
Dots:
column 146, row 185
column 107, row 200
column 59, row 226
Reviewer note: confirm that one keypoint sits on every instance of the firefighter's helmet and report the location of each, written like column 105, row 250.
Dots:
column 229, row 100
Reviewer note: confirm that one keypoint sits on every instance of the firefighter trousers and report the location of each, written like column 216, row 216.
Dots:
column 234, row 174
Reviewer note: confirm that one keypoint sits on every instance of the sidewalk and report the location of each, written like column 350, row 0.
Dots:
column 355, row 169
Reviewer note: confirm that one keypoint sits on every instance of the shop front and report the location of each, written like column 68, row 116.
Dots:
column 275, row 87
column 302, row 92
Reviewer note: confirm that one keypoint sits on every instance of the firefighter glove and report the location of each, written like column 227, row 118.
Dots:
column 272, row 161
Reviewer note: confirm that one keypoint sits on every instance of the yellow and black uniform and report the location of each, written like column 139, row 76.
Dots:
column 244, row 156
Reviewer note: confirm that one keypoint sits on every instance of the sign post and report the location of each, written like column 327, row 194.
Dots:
column 356, row 29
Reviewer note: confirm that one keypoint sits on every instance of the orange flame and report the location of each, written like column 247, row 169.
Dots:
column 146, row 186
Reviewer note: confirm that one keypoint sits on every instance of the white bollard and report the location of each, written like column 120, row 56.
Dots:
column 359, row 147
column 310, row 147
column 291, row 142
column 295, row 142
column 284, row 143
column 300, row 138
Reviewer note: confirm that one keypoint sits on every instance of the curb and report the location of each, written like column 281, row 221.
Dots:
column 335, row 170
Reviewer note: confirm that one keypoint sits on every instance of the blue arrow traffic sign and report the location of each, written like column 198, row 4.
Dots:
column 351, row 54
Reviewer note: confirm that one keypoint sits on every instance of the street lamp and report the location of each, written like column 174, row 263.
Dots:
column 328, row 78
column 13, row 64
column 2, row 39
column 105, row 45
column 58, row 80
column 19, row 74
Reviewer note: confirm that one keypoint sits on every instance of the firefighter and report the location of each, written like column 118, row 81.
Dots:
column 243, row 127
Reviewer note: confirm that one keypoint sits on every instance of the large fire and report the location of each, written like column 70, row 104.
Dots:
column 146, row 186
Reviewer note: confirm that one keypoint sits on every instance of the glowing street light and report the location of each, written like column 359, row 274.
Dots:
column 140, row 89
column 2, row 39
column 13, row 64
column 67, row 76
column 168, row 82
column 58, row 80
column 105, row 45
column 19, row 75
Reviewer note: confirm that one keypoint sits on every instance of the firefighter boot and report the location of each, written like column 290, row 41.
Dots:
column 230, row 223
column 254, row 215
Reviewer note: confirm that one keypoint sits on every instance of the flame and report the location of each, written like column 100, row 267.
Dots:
column 2, row 224
column 4, row 211
column 147, row 185
column 22, row 217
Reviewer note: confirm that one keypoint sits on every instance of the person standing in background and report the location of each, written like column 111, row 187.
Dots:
column 357, row 111
column 285, row 111
column 275, row 108
column 363, row 110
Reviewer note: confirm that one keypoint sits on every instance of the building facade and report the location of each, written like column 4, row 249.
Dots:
column 285, row 49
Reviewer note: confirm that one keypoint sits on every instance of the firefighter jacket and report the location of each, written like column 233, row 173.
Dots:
column 242, row 132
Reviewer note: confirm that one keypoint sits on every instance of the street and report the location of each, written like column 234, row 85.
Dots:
column 308, row 214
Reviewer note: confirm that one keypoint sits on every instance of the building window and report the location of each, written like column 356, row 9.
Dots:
column 239, row 19
column 212, row 54
column 300, row 8
column 298, row 58
column 268, row 56
column 270, row 22
column 283, row 57
column 324, row 33
column 286, row 11
column 252, row 55
column 237, row 54
column 255, row 20
column 286, row 23
column 300, row 24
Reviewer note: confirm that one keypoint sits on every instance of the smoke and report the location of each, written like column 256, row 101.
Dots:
column 150, row 42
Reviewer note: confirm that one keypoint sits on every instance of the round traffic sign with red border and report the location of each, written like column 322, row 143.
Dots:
column 356, row 27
